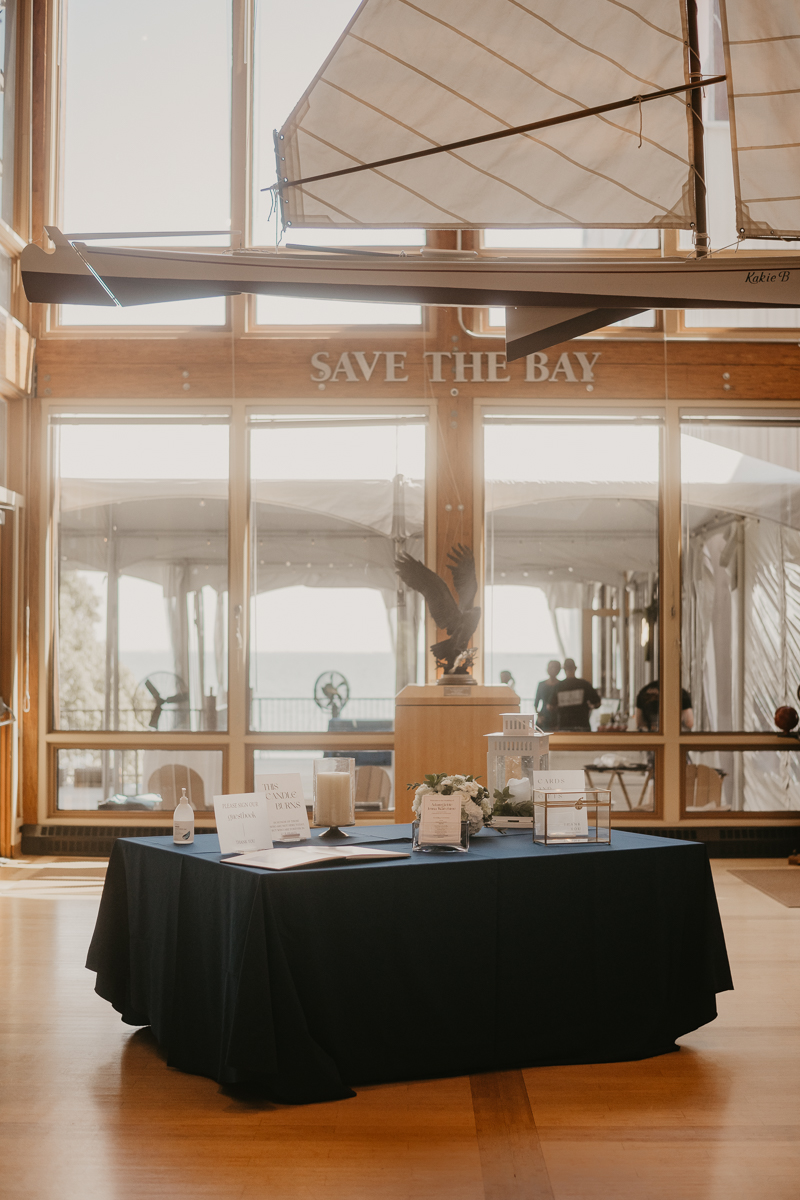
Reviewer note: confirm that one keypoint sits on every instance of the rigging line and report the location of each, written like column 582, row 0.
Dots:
column 501, row 133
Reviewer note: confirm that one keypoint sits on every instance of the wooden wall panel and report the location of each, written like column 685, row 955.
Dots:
column 277, row 367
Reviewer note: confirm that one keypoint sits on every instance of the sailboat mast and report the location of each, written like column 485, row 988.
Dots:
column 701, row 237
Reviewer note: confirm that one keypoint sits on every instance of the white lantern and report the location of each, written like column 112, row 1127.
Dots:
column 512, row 757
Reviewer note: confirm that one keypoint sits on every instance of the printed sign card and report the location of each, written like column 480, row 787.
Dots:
column 286, row 806
column 561, row 822
column 440, row 820
column 242, row 823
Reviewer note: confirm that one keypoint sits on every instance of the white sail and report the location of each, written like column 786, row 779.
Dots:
column 762, row 49
column 407, row 76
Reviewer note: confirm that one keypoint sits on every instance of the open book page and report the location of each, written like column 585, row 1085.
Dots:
column 364, row 853
column 309, row 856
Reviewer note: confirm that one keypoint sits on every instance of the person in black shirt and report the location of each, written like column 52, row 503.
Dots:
column 647, row 708
column 572, row 700
column 544, row 697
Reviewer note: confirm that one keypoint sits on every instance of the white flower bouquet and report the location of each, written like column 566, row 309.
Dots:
column 476, row 806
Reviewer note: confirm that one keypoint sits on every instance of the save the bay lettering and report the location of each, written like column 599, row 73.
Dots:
column 445, row 366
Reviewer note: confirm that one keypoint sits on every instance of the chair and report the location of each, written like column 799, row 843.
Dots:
column 168, row 781
column 703, row 787
column 373, row 788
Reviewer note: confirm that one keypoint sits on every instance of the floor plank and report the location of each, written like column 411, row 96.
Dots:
column 89, row 1110
column 512, row 1163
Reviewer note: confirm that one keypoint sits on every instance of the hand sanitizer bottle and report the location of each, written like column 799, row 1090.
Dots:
column 183, row 821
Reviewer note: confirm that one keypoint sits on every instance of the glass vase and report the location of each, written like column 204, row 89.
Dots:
column 457, row 848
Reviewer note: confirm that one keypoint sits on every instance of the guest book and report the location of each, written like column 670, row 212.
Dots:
column 310, row 856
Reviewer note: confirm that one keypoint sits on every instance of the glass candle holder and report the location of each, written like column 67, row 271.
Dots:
column 334, row 796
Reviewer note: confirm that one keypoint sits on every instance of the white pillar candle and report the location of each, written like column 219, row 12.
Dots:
column 333, row 804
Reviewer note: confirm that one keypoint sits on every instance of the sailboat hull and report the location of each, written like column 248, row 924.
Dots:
column 79, row 274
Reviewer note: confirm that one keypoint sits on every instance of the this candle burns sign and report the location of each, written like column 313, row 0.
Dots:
column 286, row 805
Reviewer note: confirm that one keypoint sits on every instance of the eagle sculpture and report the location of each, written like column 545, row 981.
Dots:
column 460, row 619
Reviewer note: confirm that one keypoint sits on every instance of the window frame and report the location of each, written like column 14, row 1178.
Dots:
column 238, row 742
column 595, row 741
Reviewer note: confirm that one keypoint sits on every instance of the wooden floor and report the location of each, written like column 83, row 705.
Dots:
column 88, row 1109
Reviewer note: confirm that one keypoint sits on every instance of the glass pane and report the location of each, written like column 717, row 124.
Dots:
column 742, row 781
column 374, row 771
column 717, row 140
column 354, row 237
column 741, row 566
column 142, row 511
column 208, row 311
column 645, row 320
column 572, row 239
column 138, row 780
column 742, row 318
column 147, row 115
column 628, row 774
column 5, row 280
column 291, row 43
column 288, row 310
column 156, row 153
column 8, row 57
column 332, row 635
column 3, row 442
column 572, row 564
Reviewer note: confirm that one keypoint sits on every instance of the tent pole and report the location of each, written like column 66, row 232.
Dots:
column 701, row 237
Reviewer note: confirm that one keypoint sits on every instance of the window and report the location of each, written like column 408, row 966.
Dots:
column 629, row 776
column 141, row 506
column 572, row 558
column 741, row 565
column 291, row 43
column 644, row 320
column 741, row 318
column 208, row 311
column 137, row 780
column 374, row 771
column 147, row 115
column 752, row 781
column 8, row 56
column 3, row 441
column 288, row 310
column 571, row 239
column 335, row 497
column 155, row 153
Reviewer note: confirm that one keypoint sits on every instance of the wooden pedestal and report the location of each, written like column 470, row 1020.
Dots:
column 434, row 731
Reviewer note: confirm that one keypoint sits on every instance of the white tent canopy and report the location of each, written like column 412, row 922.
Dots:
column 365, row 507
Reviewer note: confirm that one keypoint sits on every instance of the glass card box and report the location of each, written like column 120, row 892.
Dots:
column 564, row 818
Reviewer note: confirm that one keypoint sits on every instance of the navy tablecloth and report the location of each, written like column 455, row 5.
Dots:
column 311, row 981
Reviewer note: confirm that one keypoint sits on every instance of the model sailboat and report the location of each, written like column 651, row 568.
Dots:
column 453, row 115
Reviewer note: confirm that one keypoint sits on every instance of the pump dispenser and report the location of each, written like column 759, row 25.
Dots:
column 183, row 821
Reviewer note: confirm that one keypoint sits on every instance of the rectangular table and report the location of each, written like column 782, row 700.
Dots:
column 311, row 981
